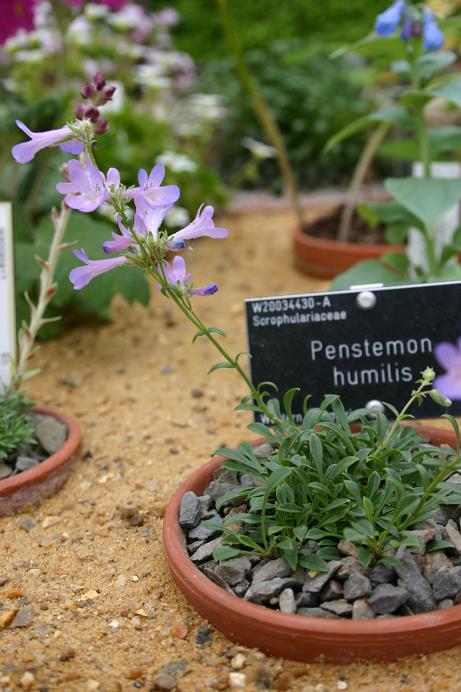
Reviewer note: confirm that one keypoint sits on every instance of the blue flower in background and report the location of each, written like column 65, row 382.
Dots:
column 433, row 37
column 387, row 22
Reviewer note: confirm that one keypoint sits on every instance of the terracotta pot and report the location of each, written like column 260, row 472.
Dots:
column 325, row 259
column 45, row 478
column 298, row 637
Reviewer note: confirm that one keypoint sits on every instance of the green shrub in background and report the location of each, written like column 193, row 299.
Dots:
column 310, row 95
column 260, row 23
column 156, row 114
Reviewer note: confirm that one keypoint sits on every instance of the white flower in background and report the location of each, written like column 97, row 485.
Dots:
column 259, row 149
column 80, row 31
column 207, row 106
column 29, row 56
column 166, row 17
column 131, row 50
column 152, row 76
column 17, row 42
column 49, row 40
column 94, row 12
column 130, row 17
column 43, row 17
column 177, row 217
column 178, row 163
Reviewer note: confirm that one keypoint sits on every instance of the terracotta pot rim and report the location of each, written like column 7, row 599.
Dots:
column 312, row 241
column 46, row 467
column 185, row 571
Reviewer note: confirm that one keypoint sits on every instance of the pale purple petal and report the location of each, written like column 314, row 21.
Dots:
column 87, row 189
column 113, row 177
column 81, row 276
column 143, row 178
column 73, row 146
column 156, row 175
column 202, row 225
column 447, row 355
column 450, row 384
column 118, row 244
column 81, row 255
column 25, row 152
column 148, row 218
column 176, row 271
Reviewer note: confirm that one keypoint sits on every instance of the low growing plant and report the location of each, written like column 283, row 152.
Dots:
column 16, row 429
column 324, row 480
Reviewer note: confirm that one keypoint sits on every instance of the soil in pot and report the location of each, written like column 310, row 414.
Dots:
column 318, row 253
column 326, row 226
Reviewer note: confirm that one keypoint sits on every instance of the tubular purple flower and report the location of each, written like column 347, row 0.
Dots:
column 176, row 275
column 433, row 37
column 86, row 190
column 81, row 276
column 63, row 137
column 148, row 218
column 387, row 22
column 151, row 191
column 449, row 357
column 121, row 241
column 407, row 29
column 207, row 290
column 202, row 225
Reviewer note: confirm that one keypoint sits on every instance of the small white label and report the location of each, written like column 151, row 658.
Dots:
column 7, row 296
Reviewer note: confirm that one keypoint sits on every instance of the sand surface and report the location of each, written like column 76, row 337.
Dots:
column 106, row 615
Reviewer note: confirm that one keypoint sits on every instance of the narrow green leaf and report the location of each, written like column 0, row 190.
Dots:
column 225, row 553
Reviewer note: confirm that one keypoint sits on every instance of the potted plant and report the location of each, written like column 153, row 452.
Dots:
column 346, row 515
column 38, row 446
column 425, row 66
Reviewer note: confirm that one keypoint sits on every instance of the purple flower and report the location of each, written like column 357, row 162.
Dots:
column 202, row 225
column 121, row 241
column 15, row 15
column 150, row 190
column 449, row 357
column 86, row 190
column 25, row 152
column 81, row 276
column 433, row 37
column 388, row 21
column 148, row 218
column 407, row 29
column 177, row 276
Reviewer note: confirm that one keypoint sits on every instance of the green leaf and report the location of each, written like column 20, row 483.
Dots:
column 397, row 261
column 444, row 139
column 431, row 63
column 209, row 330
column 287, row 401
column 365, row 556
column 313, row 562
column 95, row 299
column 427, row 198
column 450, row 91
column 225, row 553
column 368, row 272
column 436, row 545
column 415, row 99
column 396, row 233
column 394, row 115
column 220, row 366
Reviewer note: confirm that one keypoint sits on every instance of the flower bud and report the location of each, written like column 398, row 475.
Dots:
column 88, row 91
column 101, row 126
column 106, row 94
column 439, row 398
column 80, row 111
column 99, row 81
column 92, row 114
column 428, row 375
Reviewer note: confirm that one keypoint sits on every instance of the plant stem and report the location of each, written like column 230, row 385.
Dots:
column 262, row 112
column 28, row 334
column 360, row 172
column 415, row 395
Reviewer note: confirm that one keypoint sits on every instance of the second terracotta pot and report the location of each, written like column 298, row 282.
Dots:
column 298, row 637
column 45, row 478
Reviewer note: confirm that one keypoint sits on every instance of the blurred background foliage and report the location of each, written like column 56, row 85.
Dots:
column 180, row 102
